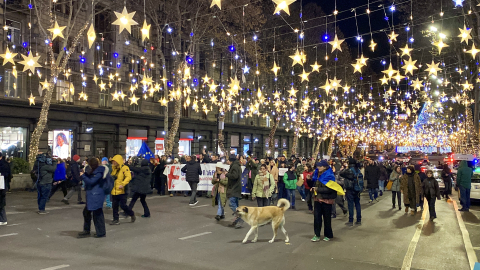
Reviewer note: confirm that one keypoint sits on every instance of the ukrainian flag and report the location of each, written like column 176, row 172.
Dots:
column 328, row 179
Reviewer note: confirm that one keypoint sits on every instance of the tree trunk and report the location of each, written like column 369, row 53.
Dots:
column 296, row 133
column 314, row 145
column 165, row 86
column 317, row 149
column 331, row 143
column 177, row 113
column 271, row 135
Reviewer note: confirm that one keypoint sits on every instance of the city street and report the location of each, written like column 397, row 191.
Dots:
column 178, row 236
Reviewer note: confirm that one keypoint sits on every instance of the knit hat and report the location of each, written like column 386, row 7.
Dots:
column 76, row 158
column 232, row 158
column 105, row 159
column 322, row 163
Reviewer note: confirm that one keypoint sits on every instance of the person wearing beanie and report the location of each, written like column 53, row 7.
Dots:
column 75, row 180
column 353, row 182
column 234, row 187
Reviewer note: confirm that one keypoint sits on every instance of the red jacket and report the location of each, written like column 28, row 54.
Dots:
column 307, row 181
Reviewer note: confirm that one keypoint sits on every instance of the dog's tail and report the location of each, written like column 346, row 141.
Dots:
column 284, row 204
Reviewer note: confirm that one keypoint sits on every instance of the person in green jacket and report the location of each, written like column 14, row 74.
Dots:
column 290, row 180
column 263, row 187
column 219, row 193
column 464, row 183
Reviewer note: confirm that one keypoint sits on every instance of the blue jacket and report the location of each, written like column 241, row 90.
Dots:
column 60, row 173
column 93, row 187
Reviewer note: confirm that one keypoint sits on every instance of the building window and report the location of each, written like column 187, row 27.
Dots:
column 12, row 141
column 104, row 99
column 13, row 32
column 65, row 91
column 12, row 89
column 268, row 121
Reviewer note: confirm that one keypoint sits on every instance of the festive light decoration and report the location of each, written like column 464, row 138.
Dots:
column 465, row 34
column 45, row 84
column 275, row 68
column 304, row 76
column 433, row 68
column 125, row 20
column 406, row 50
column 283, row 5
column 392, row 36
column 297, row 58
column 440, row 45
column 91, row 36
column 390, row 71
column 31, row 99
column 336, row 44
column 473, row 50
column 145, row 30
column 315, row 67
column 57, row 31
column 30, row 62
column 8, row 57
column 410, row 66
column 417, row 84
column 372, row 45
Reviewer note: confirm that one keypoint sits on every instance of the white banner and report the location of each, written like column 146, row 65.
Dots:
column 282, row 171
column 2, row 182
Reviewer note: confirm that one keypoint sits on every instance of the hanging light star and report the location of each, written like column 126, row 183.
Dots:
column 292, row 92
column 390, row 91
column 304, row 76
column 217, row 3
column 91, row 36
column 406, row 50
column 30, row 62
column 465, row 34
column 205, row 79
column 357, row 67
column 372, row 45
column 335, row 84
column 473, row 51
column 8, row 57
column 316, row 67
column 297, row 58
column 212, row 87
column 336, row 43
column 327, row 87
column 133, row 100
column 467, row 86
column 102, row 85
column 410, row 66
column 125, row 20
column 390, row 71
column 275, row 68
column 433, row 68
column 417, row 84
column 115, row 96
column 393, row 36
column 363, row 60
column 246, row 69
column 145, row 30
column 384, row 80
column 45, row 84
column 57, row 31
column 440, row 45
column 283, row 5
column 31, row 99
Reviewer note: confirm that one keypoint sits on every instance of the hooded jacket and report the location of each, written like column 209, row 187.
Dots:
column 60, row 172
column 372, row 175
column 290, row 180
column 430, row 187
column 121, row 174
column 234, row 175
column 46, row 174
column 464, row 175
column 75, row 172
column 141, row 180
column 395, row 178
column 192, row 171
column 93, row 187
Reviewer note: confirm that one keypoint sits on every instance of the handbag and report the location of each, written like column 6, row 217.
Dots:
column 389, row 185
column 300, row 181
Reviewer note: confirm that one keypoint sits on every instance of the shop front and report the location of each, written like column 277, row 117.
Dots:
column 185, row 143
column 160, row 143
column 13, row 141
column 135, row 138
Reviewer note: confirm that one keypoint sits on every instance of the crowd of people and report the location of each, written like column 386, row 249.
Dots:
column 108, row 182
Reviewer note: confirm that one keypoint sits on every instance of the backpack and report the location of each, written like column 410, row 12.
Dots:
column 356, row 184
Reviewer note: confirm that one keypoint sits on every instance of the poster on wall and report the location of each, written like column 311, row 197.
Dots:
column 61, row 144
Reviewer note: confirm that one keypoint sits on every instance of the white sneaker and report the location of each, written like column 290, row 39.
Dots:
column 303, row 200
column 3, row 223
column 193, row 204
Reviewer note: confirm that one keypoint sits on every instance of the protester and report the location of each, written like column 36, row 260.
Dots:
column 263, row 187
column 290, row 180
column 299, row 172
column 340, row 201
column 75, row 180
column 140, row 186
column 59, row 179
column 411, row 187
column 44, row 185
column 160, row 177
column 108, row 196
column 219, row 193
column 353, row 181
column 234, row 187
column 383, row 176
column 372, row 174
column 431, row 191
column 395, row 178
column 308, row 183
column 464, row 183
column 122, row 176
column 253, row 171
column 94, row 180
column 192, row 171
column 447, row 181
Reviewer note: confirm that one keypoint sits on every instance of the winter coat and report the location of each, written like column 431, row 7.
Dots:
column 372, row 174
column 75, row 172
column 258, row 186
column 307, row 180
column 234, row 175
column 274, row 172
column 159, row 169
column 324, row 192
column 290, row 181
column 93, row 187
column 404, row 187
column 219, row 187
column 46, row 174
column 60, row 172
column 5, row 169
column 395, row 178
column 141, row 180
column 253, row 168
column 383, row 173
column 192, row 171
column 464, row 175
column 121, row 174
column 339, row 179
column 430, row 186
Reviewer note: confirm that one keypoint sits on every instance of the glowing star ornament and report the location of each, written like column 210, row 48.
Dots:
column 133, row 100
column 145, row 30
column 292, row 92
column 433, row 68
column 8, row 56
column 45, row 84
column 357, row 67
column 102, row 85
column 409, row 66
column 316, row 67
column 363, row 60
column 283, row 5
column 473, row 51
column 372, row 45
column 30, row 62
column 115, row 96
column 406, row 50
column 31, row 99
column 467, row 86
column 384, row 80
column 57, row 31
column 275, row 68
column 327, row 87
column 125, row 20
column 440, row 45
column 390, row 71
column 91, row 35
column 465, row 34
column 417, row 84
column 217, row 3
column 392, row 36
column 234, row 86
column 335, row 84
column 297, row 58
column 304, row 76
column 336, row 44
column 213, row 87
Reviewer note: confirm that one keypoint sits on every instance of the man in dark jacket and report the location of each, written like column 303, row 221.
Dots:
column 160, row 178
column 44, row 185
column 140, row 186
column 192, row 171
column 234, row 186
column 381, row 178
column 75, row 180
column 353, row 197
column 464, row 183
column 372, row 174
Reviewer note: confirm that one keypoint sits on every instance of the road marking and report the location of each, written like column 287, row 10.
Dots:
column 407, row 261
column 195, row 235
column 13, row 224
column 472, row 224
column 157, row 197
column 14, row 213
column 472, row 257
column 10, row 234
column 201, row 206
column 57, row 267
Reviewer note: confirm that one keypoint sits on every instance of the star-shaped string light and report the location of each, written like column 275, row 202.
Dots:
column 57, row 31
column 335, row 84
column 31, row 99
column 409, row 66
column 473, row 50
column 392, row 36
column 102, row 85
column 336, row 44
column 8, row 57
column 125, row 20
column 145, row 30
column 372, row 45
column 440, row 45
column 217, row 3
column 384, row 80
column 91, row 36
column 275, row 68
column 316, row 67
column 213, row 87
column 390, row 71
column 304, row 76
column 292, row 92
column 417, row 84
column 133, row 100
column 297, row 58
column 465, row 34
column 283, row 5
column 406, row 50
column 433, row 68
column 30, row 62
column 45, row 84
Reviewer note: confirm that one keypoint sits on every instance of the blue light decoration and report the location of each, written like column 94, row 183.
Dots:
column 386, row 18
column 115, row 55
column 25, row 44
column 98, row 47
column 127, row 42
column 47, row 41
column 84, row 84
column 169, row 84
column 145, row 50
column 195, row 80
column 411, row 40
column 384, row 62
column 9, row 37
column 255, row 38
column 119, row 65
column 189, row 60
column 134, row 80
column 231, row 48
column 30, row 6
column 191, row 34
column 82, row 60
column 169, row 30
column 407, row 28
column 325, row 37
column 392, row 8
column 458, row 3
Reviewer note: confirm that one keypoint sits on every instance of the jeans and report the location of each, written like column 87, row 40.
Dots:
column 291, row 196
column 120, row 200
column 108, row 200
column 381, row 185
column 43, row 193
column 281, row 190
column 77, row 188
column 323, row 211
column 464, row 197
column 220, row 210
column 431, row 206
column 397, row 194
column 146, row 211
column 340, row 202
column 233, row 203
column 261, row 202
column 301, row 190
column 308, row 195
column 98, row 221
column 353, row 199
column 163, row 185
column 373, row 193
column 193, row 187
column 61, row 185
column 3, row 215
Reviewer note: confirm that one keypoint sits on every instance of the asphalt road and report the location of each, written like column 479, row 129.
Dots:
column 178, row 236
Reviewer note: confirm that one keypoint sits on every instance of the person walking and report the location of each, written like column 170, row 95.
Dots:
column 122, row 176
column 94, row 180
column 372, row 174
column 44, row 185
column 108, row 196
column 219, row 193
column 464, row 183
column 324, row 198
column 290, row 180
column 340, row 200
column 447, row 181
column 59, row 178
column 5, row 173
column 234, row 187
column 411, row 187
column 299, row 171
column 140, row 186
column 431, row 192
column 160, row 178
column 192, row 171
column 353, row 181
column 383, row 176
column 395, row 178
column 308, row 183
column 75, row 180
column 273, row 170
column 263, row 187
